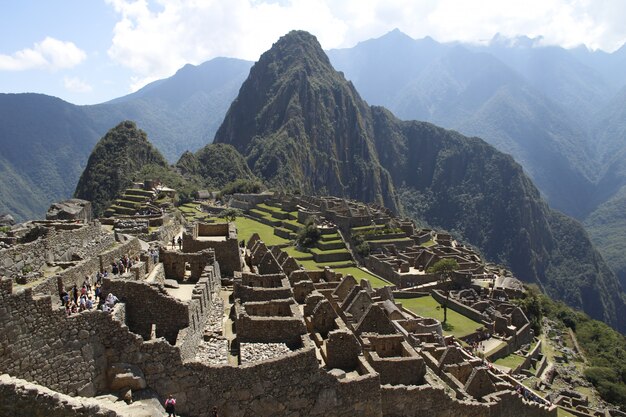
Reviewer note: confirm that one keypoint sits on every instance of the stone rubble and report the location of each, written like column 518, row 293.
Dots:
column 255, row 352
column 214, row 352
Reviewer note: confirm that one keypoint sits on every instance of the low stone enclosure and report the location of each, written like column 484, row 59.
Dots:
column 288, row 341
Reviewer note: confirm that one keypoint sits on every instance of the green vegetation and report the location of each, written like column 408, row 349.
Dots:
column 457, row 324
column 244, row 186
column 115, row 163
column 217, row 166
column 511, row 361
column 230, row 214
column 309, row 234
column 443, row 268
column 246, row 227
column 604, row 348
column 4, row 229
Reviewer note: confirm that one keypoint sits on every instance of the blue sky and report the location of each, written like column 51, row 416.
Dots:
column 90, row 51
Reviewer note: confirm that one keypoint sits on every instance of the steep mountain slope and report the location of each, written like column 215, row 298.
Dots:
column 44, row 143
column 477, row 94
column 300, row 124
column 607, row 223
column 113, row 164
column 554, row 71
column 182, row 112
column 215, row 165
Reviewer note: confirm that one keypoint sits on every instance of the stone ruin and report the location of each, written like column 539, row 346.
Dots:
column 247, row 331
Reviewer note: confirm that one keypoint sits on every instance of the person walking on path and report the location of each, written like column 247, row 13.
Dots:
column 170, row 406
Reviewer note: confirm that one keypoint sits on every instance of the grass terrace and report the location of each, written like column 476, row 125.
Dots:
column 511, row 361
column 457, row 325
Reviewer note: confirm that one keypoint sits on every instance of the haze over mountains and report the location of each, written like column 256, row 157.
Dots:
column 559, row 112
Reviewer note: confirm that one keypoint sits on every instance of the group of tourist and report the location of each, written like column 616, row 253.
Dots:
column 87, row 296
column 123, row 265
column 154, row 254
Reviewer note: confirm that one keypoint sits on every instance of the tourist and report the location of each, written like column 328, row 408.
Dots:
column 111, row 300
column 75, row 293
column 173, row 242
column 114, row 268
column 170, row 406
column 214, row 412
column 98, row 292
column 89, row 303
column 65, row 297
column 180, row 242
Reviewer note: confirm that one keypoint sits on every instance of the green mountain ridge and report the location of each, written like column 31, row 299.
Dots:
column 116, row 158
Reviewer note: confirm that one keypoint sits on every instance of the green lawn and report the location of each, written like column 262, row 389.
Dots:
column 428, row 244
column 330, row 236
column 512, row 361
column 247, row 227
column 311, row 264
column 321, row 251
column 457, row 325
column 271, row 208
column 292, row 251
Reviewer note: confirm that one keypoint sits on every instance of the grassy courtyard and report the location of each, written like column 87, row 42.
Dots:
column 457, row 324
column 511, row 361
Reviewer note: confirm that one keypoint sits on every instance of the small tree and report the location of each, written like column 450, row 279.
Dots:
column 309, row 234
column 444, row 268
column 230, row 214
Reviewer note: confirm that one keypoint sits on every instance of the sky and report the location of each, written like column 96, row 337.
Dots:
column 91, row 51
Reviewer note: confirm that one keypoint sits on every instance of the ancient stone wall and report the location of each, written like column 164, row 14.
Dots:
column 458, row 307
column 131, row 248
column 19, row 398
column 226, row 252
column 202, row 304
column 424, row 400
column 59, row 245
column 39, row 343
column 145, row 306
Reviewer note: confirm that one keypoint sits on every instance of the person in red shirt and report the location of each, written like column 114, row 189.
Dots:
column 170, row 406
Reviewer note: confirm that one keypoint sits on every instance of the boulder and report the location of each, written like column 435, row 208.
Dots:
column 124, row 376
column 171, row 283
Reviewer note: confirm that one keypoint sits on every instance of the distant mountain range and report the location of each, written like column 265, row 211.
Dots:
column 45, row 142
column 558, row 112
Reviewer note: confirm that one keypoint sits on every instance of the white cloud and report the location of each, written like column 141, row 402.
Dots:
column 76, row 85
column 51, row 54
column 155, row 38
